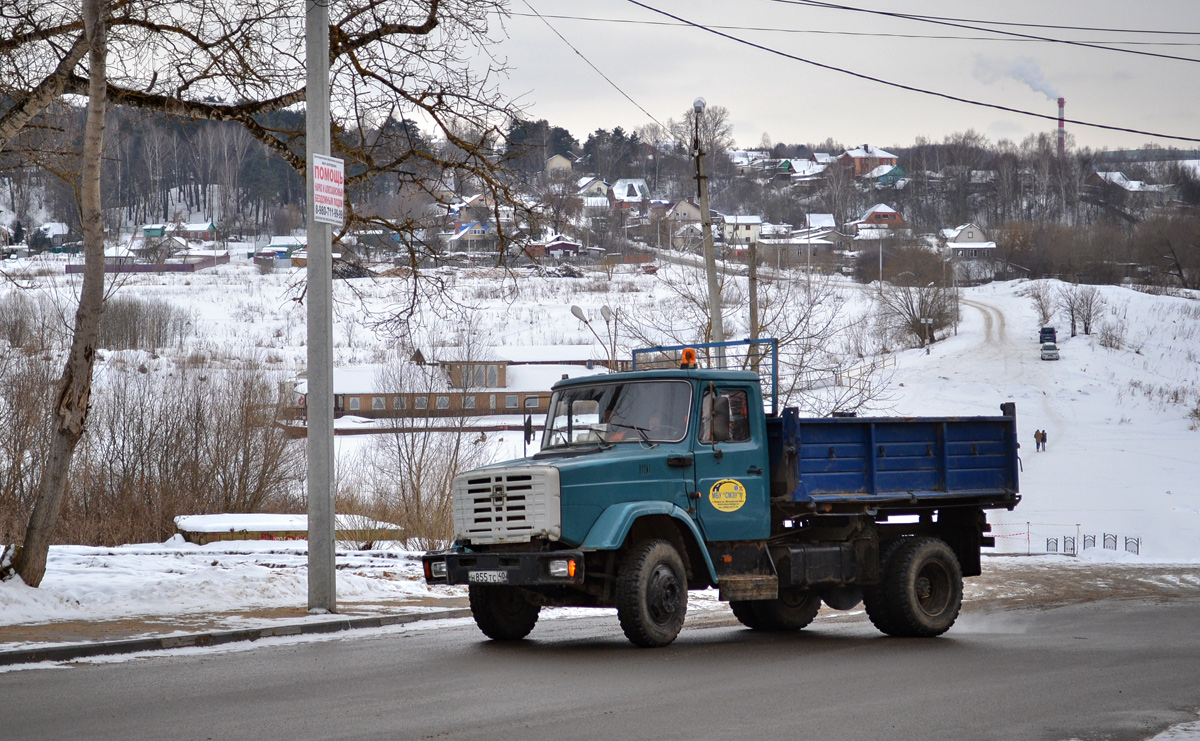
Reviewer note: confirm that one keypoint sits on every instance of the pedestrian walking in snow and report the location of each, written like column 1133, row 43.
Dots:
column 1043, row 440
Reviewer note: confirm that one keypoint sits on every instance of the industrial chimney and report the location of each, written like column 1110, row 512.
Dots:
column 1062, row 131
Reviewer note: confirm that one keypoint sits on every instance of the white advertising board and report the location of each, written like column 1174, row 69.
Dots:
column 329, row 191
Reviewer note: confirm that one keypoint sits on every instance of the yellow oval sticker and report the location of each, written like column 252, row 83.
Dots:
column 727, row 495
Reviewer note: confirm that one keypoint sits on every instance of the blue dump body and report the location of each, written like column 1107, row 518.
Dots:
column 896, row 461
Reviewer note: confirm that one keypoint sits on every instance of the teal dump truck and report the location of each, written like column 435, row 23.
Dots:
column 651, row 483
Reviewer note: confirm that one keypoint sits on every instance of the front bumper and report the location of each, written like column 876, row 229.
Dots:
column 541, row 569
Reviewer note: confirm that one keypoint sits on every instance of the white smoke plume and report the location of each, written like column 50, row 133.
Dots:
column 1022, row 69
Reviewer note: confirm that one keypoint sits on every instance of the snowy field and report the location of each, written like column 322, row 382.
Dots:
column 1123, row 459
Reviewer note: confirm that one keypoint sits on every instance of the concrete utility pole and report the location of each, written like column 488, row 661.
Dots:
column 710, row 257
column 322, row 587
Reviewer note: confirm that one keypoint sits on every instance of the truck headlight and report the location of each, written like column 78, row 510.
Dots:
column 563, row 568
column 437, row 569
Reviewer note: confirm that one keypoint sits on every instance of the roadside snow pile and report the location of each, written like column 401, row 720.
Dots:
column 179, row 578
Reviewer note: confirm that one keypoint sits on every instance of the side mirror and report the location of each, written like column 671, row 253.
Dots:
column 720, row 420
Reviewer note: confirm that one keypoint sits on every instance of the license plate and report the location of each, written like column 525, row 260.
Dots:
column 487, row 577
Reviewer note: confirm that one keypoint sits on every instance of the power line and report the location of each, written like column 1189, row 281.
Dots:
column 909, row 88
column 866, row 34
column 1015, row 24
column 955, row 24
column 596, row 69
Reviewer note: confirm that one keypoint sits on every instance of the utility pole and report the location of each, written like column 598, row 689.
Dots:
column 322, row 587
column 710, row 258
column 881, row 264
column 752, row 254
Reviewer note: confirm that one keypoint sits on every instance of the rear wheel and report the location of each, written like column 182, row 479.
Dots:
column 502, row 613
column 875, row 599
column 792, row 611
column 921, row 591
column 747, row 615
column 652, row 594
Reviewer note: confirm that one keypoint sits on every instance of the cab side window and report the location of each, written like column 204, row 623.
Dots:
column 739, row 416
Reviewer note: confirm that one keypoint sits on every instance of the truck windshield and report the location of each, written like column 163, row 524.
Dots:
column 647, row 412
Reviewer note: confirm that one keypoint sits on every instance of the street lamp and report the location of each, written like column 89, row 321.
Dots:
column 608, row 314
column 710, row 259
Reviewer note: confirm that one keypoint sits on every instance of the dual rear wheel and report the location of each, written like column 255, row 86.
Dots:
column 792, row 611
column 920, row 591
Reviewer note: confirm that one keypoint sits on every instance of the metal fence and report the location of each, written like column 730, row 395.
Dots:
column 1034, row 534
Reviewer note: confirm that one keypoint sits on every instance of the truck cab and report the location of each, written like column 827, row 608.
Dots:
column 653, row 482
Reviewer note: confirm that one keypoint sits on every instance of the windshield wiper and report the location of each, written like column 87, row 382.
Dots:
column 643, row 433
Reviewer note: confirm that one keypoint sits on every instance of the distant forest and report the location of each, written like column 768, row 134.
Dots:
column 161, row 168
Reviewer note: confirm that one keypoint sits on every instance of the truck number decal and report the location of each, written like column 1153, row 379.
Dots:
column 727, row 495
column 487, row 577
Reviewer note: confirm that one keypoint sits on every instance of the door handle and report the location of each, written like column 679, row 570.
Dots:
column 679, row 461
column 754, row 470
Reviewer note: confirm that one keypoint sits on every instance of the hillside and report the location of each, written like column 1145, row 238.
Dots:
column 1121, row 448
column 1121, row 452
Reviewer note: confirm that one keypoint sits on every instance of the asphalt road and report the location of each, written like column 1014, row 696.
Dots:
column 1099, row 670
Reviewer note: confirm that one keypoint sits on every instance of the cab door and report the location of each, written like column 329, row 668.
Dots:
column 731, row 475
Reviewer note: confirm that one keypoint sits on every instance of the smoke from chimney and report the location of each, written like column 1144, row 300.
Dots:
column 1062, row 130
column 1022, row 69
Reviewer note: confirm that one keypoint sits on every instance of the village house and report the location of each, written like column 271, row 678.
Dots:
column 688, row 237
column 805, row 174
column 203, row 231
column 630, row 195
column 591, row 186
column 746, row 162
column 864, row 159
column 741, row 230
column 879, row 216
column 887, row 176
column 684, row 211
column 557, row 247
column 557, row 164
column 1134, row 192
column 56, row 232
column 973, row 255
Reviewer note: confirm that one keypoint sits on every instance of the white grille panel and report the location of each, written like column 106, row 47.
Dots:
column 507, row 505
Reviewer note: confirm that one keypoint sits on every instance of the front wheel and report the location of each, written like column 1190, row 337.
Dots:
column 652, row 594
column 502, row 613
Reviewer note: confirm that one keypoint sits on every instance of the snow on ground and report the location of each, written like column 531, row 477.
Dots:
column 1121, row 461
column 1120, row 458
column 179, row 578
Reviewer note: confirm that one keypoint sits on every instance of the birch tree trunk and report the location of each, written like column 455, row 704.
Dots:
column 74, row 388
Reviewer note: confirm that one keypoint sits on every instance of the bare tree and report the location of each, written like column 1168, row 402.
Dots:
column 405, row 477
column 1091, row 306
column 838, row 192
column 1043, row 300
column 716, row 130
column 904, row 310
column 1070, row 302
column 244, row 63
column 75, row 386
column 1172, row 244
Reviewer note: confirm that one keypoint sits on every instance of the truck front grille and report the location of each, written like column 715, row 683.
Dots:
column 507, row 505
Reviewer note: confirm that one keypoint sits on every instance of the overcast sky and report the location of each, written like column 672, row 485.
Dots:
column 664, row 67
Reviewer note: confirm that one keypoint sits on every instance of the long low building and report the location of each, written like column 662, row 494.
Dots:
column 448, row 390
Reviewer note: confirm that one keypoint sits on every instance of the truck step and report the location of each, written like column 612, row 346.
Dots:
column 738, row 588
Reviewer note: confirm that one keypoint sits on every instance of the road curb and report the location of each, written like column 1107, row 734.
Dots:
column 74, row 651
